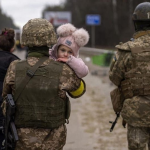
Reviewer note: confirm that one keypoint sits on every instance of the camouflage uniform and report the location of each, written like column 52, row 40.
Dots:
column 45, row 139
column 41, row 138
column 130, row 70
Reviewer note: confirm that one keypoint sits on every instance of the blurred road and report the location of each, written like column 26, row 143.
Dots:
column 89, row 122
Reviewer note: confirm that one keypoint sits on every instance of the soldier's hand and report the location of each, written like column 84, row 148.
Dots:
column 63, row 59
column 124, row 123
column 3, row 106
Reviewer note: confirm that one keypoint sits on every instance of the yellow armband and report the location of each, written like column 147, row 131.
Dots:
column 79, row 92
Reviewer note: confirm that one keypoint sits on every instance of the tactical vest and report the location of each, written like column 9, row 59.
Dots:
column 137, row 80
column 39, row 104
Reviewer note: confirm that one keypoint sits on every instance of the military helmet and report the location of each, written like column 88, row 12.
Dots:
column 38, row 32
column 142, row 12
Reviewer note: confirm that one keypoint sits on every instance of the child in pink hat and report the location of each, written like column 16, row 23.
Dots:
column 67, row 48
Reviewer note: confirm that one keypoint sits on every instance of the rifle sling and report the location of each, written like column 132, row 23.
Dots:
column 29, row 75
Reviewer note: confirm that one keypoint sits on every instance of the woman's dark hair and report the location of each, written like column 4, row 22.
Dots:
column 7, row 39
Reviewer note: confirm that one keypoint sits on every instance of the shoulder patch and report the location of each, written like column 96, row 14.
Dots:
column 132, row 39
column 114, row 59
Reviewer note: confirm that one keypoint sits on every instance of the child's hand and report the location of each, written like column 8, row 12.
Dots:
column 63, row 59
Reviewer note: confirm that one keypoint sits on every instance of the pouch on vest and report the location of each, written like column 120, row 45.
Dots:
column 117, row 99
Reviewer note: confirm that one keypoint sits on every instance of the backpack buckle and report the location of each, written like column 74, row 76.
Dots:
column 30, row 73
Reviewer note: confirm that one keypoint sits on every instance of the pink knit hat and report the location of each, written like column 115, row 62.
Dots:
column 71, row 37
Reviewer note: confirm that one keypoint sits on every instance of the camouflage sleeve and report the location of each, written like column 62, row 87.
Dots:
column 71, row 83
column 79, row 91
column 8, row 85
column 117, row 68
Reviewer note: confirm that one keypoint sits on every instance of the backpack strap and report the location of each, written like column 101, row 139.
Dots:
column 29, row 75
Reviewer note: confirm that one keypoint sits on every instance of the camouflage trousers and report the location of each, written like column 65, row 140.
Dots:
column 138, row 138
column 41, row 139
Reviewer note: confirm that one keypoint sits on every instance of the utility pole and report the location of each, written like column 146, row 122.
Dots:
column 93, row 20
column 93, row 35
column 115, row 15
column 0, row 5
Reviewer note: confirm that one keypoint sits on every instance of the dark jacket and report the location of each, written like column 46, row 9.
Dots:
column 5, row 59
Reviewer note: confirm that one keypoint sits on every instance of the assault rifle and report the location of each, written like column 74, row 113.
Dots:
column 114, row 122
column 11, row 136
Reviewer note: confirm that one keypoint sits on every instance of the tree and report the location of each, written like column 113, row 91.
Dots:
column 6, row 21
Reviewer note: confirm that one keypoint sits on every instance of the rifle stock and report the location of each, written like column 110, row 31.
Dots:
column 11, row 136
column 114, row 122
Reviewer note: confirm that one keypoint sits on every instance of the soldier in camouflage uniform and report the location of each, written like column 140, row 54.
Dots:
column 42, row 108
column 130, row 71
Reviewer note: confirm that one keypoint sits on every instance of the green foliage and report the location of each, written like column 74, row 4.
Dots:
column 6, row 21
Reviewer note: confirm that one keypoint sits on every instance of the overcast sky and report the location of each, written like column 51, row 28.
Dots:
column 23, row 10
